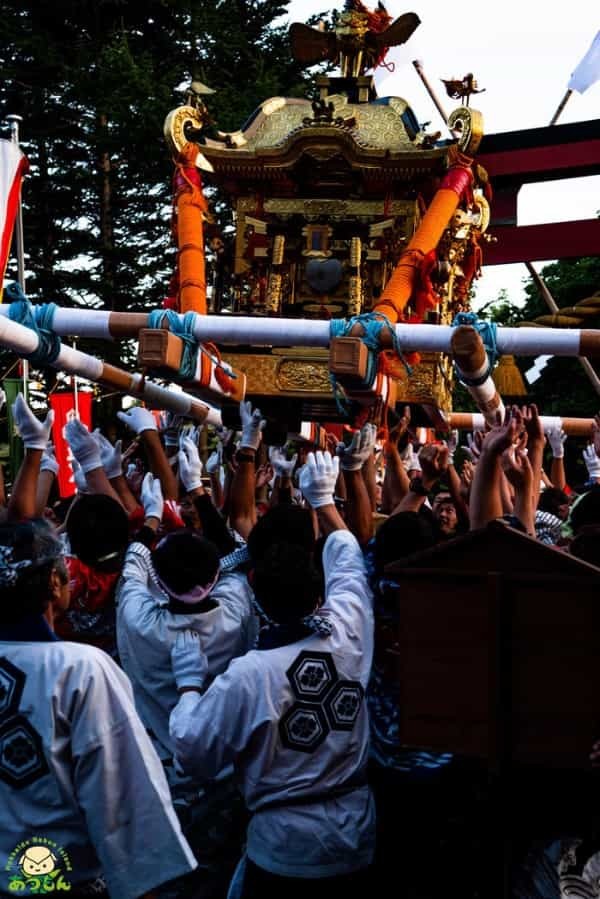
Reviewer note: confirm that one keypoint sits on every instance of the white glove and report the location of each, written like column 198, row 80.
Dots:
column 282, row 466
column 556, row 439
column 49, row 462
column 83, row 446
column 318, row 478
column 190, row 466
column 33, row 432
column 190, row 665
column 110, row 455
column 353, row 456
column 452, row 444
column 194, row 434
column 152, row 498
column 79, row 477
column 138, row 419
column 252, row 426
column 214, row 461
column 170, row 423
column 592, row 462
column 2, row 399
column 409, row 459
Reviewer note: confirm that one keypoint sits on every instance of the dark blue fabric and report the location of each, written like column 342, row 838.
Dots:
column 32, row 629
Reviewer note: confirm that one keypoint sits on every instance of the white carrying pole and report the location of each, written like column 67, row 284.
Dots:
column 475, row 421
column 21, row 340
column 247, row 330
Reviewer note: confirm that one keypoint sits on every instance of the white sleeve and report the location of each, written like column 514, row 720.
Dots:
column 137, row 564
column 121, row 786
column 210, row 731
column 345, row 574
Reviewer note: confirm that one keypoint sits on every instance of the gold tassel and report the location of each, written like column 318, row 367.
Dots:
column 508, row 379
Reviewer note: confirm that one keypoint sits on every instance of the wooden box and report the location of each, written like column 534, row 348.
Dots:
column 498, row 649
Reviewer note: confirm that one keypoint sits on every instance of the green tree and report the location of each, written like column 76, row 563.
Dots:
column 93, row 80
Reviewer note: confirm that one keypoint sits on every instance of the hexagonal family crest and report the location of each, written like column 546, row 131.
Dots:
column 38, row 866
column 323, row 703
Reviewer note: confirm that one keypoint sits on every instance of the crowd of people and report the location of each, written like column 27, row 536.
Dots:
column 195, row 690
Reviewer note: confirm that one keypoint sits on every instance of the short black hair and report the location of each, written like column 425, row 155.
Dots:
column 98, row 531
column 402, row 535
column 587, row 510
column 285, row 523
column 34, row 541
column 551, row 499
column 286, row 582
column 184, row 559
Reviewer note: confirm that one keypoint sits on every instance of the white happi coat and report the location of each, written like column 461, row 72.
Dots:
column 79, row 769
column 293, row 721
column 146, row 632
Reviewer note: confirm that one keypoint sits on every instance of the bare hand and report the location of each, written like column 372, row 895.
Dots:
column 500, row 437
column 434, row 462
column 516, row 465
column 264, row 474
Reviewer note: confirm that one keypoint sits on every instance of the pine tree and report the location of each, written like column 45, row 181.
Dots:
column 93, row 82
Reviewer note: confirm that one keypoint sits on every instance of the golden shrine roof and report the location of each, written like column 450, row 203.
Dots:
column 381, row 132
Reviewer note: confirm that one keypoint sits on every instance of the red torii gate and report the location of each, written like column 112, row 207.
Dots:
column 552, row 153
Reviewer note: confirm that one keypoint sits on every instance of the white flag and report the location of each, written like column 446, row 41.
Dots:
column 13, row 164
column 588, row 70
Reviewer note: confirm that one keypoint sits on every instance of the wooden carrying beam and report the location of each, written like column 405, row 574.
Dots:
column 161, row 352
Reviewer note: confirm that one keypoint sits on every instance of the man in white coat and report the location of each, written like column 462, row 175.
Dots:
column 292, row 718
column 84, row 802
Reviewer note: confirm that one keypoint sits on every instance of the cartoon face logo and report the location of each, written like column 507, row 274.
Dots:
column 37, row 860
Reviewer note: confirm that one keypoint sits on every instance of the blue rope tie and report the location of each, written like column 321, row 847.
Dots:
column 487, row 331
column 184, row 329
column 373, row 324
column 38, row 319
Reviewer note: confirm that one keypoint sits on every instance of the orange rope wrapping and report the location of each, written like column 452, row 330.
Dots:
column 192, row 209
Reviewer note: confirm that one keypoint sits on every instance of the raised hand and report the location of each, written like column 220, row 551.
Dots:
column 516, row 466
column 504, row 434
column 532, row 423
column 170, row 424
column 110, row 456
column 556, row 440
column 138, row 419
column 264, row 475
column 592, row 462
column 33, row 432
column 452, row 444
column 434, row 462
column 252, row 426
column 190, row 465
column 152, row 498
column 214, row 461
column 473, row 447
column 83, row 445
column 398, row 430
column 318, row 478
column 282, row 466
column 354, row 456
